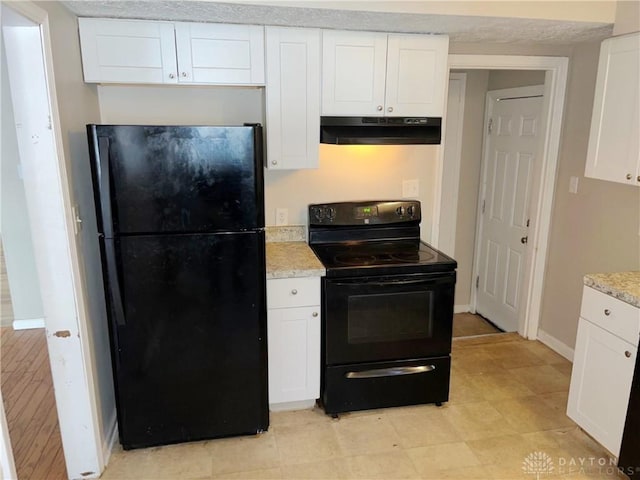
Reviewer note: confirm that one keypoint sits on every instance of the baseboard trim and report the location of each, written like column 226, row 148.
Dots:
column 461, row 308
column 299, row 405
column 28, row 323
column 556, row 345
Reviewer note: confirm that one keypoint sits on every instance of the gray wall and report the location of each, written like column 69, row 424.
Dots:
column 595, row 230
column 470, row 160
column 499, row 79
column 14, row 225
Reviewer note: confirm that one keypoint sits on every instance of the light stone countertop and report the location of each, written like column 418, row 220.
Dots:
column 624, row 286
column 292, row 259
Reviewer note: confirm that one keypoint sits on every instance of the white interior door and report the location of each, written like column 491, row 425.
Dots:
column 512, row 147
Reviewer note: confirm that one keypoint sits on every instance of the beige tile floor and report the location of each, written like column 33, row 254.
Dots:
column 507, row 403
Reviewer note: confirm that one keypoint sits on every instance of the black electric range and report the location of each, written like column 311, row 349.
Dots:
column 387, row 301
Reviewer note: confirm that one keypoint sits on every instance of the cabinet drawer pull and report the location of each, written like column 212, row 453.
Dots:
column 629, row 176
column 294, row 292
column 627, row 354
column 607, row 312
column 314, row 314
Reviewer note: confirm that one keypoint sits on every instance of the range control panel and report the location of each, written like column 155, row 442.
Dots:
column 365, row 213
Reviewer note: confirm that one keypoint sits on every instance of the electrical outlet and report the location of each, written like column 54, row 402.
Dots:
column 282, row 216
column 410, row 188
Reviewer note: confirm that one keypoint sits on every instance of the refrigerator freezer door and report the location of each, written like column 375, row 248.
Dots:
column 190, row 356
column 161, row 179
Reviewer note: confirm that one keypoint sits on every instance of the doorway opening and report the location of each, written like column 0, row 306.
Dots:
column 467, row 178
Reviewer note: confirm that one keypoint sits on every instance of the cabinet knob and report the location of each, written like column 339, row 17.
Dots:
column 171, row 75
column 629, row 176
column 184, row 74
column 274, row 162
column 379, row 108
column 607, row 312
column 294, row 292
column 638, row 178
column 390, row 109
column 627, row 354
column 314, row 314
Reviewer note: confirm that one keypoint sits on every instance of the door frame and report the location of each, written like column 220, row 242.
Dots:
column 544, row 182
column 492, row 97
column 53, row 227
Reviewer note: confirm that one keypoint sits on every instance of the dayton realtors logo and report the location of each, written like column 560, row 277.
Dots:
column 537, row 463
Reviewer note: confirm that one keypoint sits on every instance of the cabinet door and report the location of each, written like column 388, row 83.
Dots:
column 416, row 75
column 294, row 354
column 353, row 73
column 220, row 54
column 292, row 97
column 127, row 51
column 600, row 384
column 614, row 149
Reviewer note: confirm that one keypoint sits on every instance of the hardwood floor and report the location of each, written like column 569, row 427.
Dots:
column 6, row 309
column 29, row 403
column 27, row 391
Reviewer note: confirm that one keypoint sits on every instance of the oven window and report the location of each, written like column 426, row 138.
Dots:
column 390, row 317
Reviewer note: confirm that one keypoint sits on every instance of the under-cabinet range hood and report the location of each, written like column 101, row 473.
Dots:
column 380, row 130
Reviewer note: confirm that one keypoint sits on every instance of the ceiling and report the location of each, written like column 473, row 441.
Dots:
column 460, row 28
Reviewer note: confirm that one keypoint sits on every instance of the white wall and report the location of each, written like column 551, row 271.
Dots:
column 16, row 233
column 345, row 172
column 355, row 172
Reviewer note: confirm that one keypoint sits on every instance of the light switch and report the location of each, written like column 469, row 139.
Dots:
column 573, row 185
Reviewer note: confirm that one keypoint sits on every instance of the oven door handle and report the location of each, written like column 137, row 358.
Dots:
column 390, row 372
column 421, row 281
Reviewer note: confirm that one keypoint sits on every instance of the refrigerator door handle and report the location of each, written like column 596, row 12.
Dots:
column 105, row 186
column 114, row 283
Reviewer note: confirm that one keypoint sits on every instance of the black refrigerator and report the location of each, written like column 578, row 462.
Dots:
column 180, row 215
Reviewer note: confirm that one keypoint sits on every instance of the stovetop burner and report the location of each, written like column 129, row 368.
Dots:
column 372, row 238
column 392, row 256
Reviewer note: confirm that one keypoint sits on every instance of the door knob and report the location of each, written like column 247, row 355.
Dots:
column 524, row 240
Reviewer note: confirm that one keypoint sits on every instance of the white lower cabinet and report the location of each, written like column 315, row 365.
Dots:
column 603, row 367
column 293, row 335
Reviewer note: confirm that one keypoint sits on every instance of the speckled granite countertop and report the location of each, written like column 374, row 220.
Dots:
column 624, row 286
column 292, row 259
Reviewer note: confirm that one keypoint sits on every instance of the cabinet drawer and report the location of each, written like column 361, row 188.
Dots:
column 293, row 292
column 615, row 316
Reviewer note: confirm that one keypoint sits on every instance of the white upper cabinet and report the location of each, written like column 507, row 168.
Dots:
column 133, row 51
column 614, row 147
column 127, row 51
column 377, row 74
column 220, row 54
column 292, row 97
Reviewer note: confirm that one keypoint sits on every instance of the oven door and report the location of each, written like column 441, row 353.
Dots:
column 369, row 319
